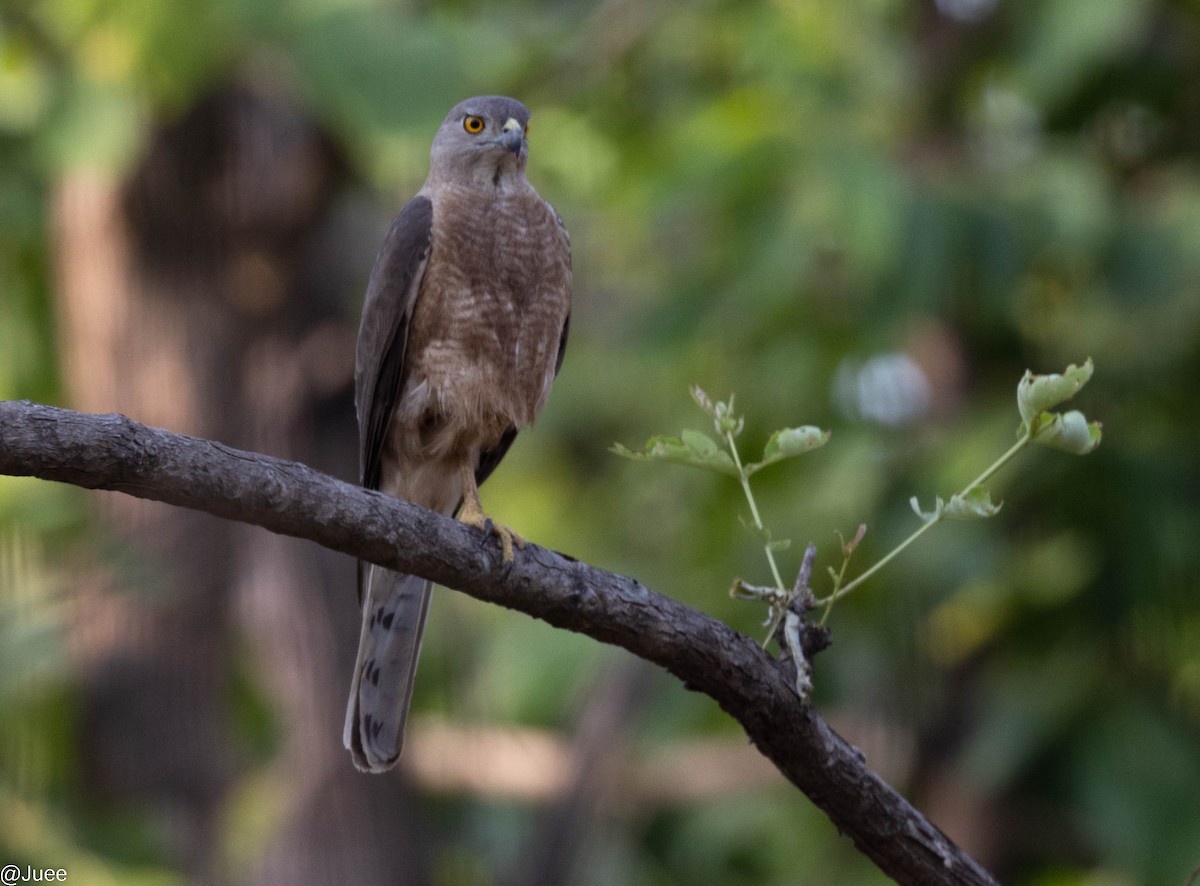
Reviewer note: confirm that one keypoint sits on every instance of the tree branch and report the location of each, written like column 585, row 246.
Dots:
column 113, row 452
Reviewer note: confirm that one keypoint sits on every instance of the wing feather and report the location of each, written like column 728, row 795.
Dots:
column 383, row 336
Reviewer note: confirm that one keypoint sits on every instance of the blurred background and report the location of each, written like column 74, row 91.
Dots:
column 869, row 215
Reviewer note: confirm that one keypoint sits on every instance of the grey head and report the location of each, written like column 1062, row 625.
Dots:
column 482, row 143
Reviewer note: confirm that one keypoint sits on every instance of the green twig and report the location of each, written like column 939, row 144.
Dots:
column 1000, row 462
column 758, row 523
column 839, row 592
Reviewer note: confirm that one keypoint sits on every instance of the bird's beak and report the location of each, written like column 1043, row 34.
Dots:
column 514, row 136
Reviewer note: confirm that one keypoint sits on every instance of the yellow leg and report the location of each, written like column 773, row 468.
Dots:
column 472, row 514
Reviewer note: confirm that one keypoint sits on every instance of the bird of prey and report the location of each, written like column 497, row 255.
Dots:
column 463, row 330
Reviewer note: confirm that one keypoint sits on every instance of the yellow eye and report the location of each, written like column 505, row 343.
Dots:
column 473, row 124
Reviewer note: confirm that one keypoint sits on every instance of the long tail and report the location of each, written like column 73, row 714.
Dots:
column 394, row 608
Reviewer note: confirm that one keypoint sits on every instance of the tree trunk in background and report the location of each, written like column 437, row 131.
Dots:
column 564, row 840
column 208, row 294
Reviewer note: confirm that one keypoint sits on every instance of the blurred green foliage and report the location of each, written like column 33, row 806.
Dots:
column 761, row 195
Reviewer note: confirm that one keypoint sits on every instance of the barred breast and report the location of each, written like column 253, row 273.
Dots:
column 487, row 321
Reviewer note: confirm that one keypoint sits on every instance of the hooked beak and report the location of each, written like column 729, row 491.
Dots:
column 513, row 138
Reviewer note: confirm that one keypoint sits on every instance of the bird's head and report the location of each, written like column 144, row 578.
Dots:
column 482, row 143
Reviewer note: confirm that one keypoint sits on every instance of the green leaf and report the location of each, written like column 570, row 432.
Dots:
column 780, row 544
column 788, row 443
column 975, row 504
column 928, row 516
column 1069, row 432
column 695, row 450
column 1039, row 393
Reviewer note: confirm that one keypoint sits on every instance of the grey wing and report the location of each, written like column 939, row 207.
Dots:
column 383, row 335
column 394, row 605
column 562, row 339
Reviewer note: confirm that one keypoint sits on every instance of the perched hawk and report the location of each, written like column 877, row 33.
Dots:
column 463, row 331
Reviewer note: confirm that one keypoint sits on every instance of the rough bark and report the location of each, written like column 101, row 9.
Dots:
column 112, row 452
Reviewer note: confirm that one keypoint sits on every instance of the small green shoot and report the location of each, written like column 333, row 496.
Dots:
column 1037, row 395
column 699, row 450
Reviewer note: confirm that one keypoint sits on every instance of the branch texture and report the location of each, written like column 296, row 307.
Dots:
column 112, row 452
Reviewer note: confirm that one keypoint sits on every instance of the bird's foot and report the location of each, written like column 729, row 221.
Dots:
column 472, row 514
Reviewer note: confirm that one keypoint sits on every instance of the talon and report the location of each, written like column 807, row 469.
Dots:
column 472, row 514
